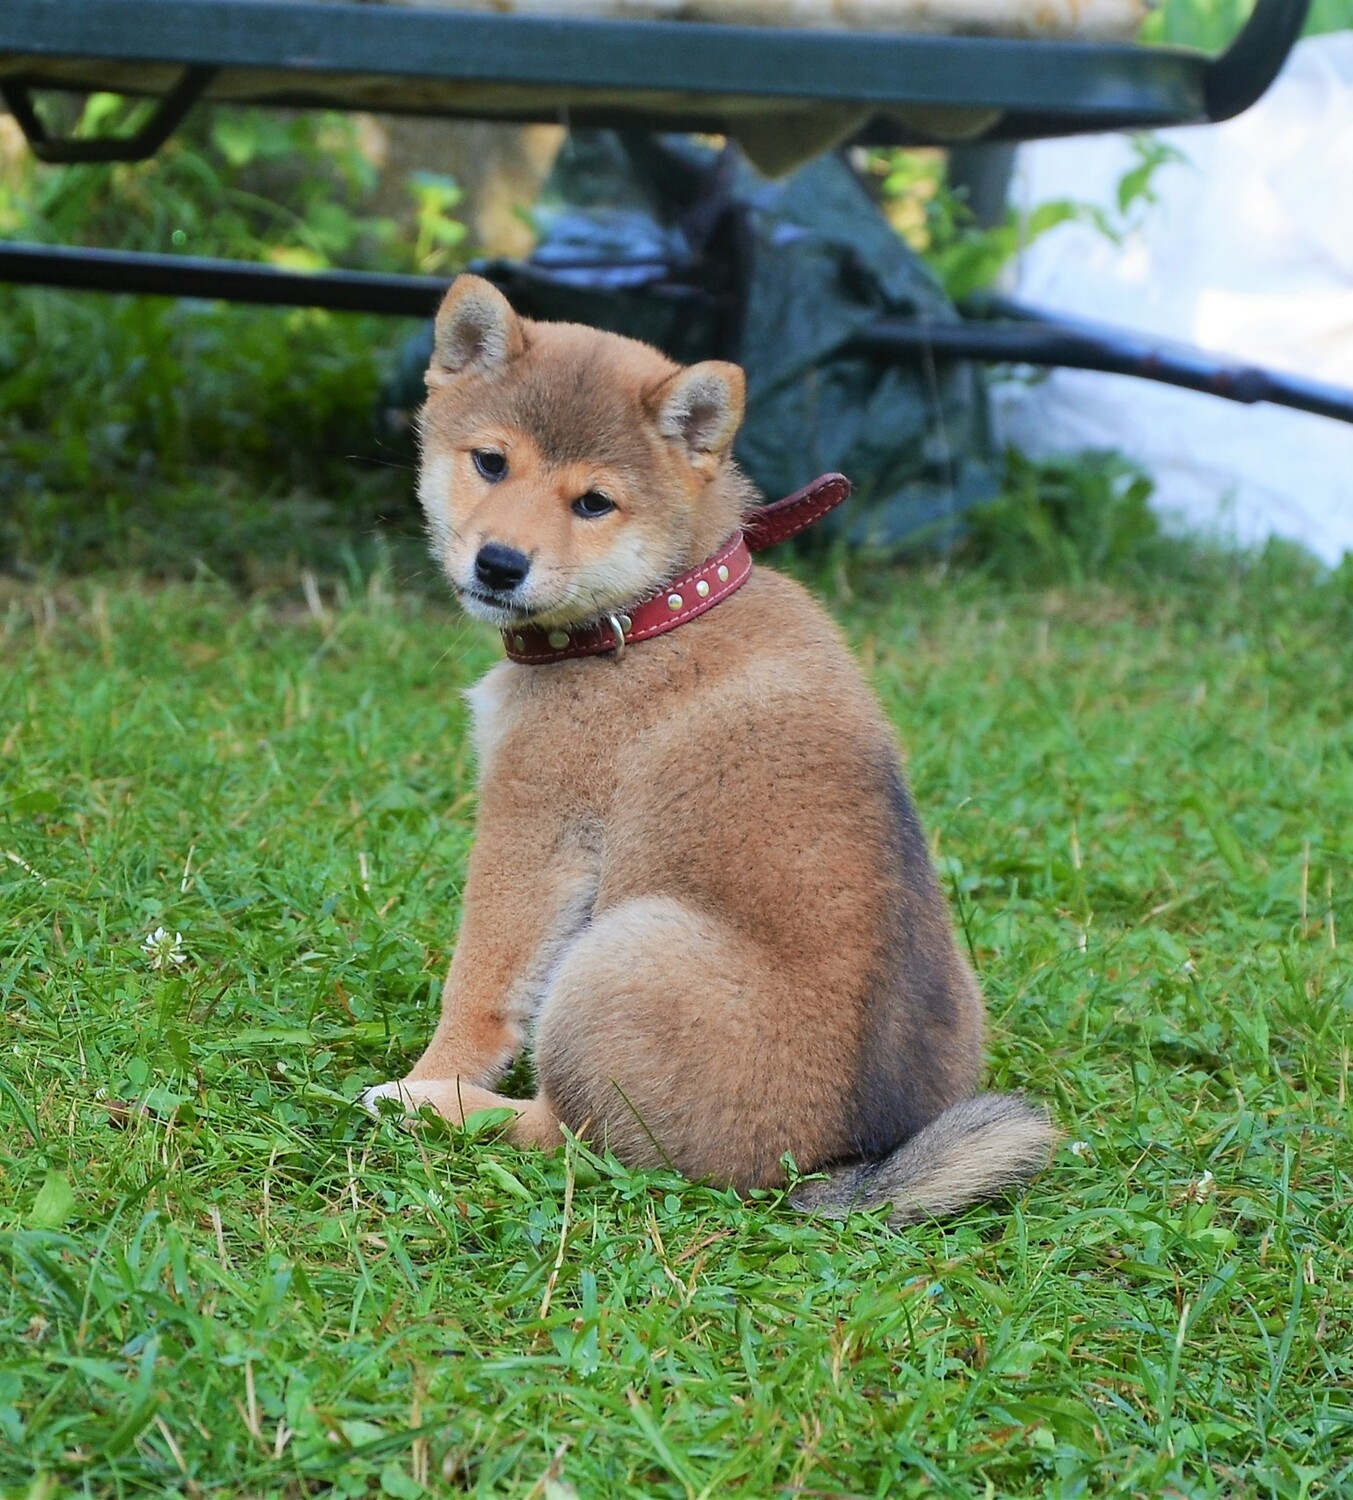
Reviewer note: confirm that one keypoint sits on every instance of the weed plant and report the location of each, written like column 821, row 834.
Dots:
column 154, row 433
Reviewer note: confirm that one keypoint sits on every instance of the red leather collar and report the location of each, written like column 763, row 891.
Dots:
column 786, row 518
column 691, row 594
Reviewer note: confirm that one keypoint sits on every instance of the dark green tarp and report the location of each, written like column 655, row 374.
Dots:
column 671, row 241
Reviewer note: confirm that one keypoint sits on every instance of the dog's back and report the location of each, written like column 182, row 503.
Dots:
column 770, row 966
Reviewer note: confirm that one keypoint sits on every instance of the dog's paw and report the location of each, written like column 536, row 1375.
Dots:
column 452, row 1098
column 378, row 1099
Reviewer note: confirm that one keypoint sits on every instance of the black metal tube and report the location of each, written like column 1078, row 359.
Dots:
column 1111, row 351
column 1241, row 75
column 168, row 115
column 225, row 280
column 1035, row 338
column 1256, row 383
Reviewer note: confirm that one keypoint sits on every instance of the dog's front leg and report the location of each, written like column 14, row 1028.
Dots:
column 527, row 897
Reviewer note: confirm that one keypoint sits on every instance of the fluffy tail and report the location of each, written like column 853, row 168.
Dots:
column 976, row 1149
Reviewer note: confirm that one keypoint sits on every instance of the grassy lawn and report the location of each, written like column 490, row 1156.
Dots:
column 216, row 1277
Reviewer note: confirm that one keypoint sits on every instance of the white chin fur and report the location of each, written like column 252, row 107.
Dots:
column 495, row 614
column 505, row 617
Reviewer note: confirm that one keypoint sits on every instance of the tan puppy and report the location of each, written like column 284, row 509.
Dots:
column 699, row 878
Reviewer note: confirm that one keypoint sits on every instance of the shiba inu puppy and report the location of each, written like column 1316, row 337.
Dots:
column 699, row 883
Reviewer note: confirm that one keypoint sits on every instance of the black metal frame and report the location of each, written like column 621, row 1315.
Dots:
column 168, row 116
column 1030, row 336
column 218, row 280
column 633, row 74
column 1020, row 334
column 647, row 75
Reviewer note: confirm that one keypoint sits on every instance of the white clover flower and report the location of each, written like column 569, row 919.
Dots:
column 163, row 951
column 1200, row 1187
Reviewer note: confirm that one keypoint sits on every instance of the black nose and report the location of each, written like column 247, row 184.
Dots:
column 500, row 568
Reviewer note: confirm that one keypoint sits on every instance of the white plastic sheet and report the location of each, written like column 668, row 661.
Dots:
column 1248, row 252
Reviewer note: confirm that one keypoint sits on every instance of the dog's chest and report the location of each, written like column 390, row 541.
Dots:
column 543, row 725
column 495, row 710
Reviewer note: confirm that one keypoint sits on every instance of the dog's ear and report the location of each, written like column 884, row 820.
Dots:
column 701, row 409
column 476, row 330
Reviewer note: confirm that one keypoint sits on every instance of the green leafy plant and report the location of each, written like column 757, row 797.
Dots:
column 936, row 221
column 1067, row 520
column 248, row 184
column 114, row 410
column 1212, row 25
column 1136, row 188
column 440, row 237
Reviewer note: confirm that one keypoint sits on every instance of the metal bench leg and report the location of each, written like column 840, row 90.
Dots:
column 1241, row 75
column 145, row 143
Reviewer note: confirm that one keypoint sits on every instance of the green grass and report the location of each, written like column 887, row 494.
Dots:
column 216, row 1278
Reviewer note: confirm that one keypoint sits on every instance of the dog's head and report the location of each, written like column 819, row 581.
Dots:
column 567, row 473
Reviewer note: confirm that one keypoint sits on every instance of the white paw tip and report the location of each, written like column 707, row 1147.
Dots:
column 371, row 1099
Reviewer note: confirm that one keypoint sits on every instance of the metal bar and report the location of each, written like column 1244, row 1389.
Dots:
column 1038, row 338
column 226, row 280
column 19, row 102
column 1112, row 351
column 321, row 41
column 1240, row 76
column 140, row 146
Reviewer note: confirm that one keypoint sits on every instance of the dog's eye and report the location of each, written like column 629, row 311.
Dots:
column 492, row 466
column 592, row 504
